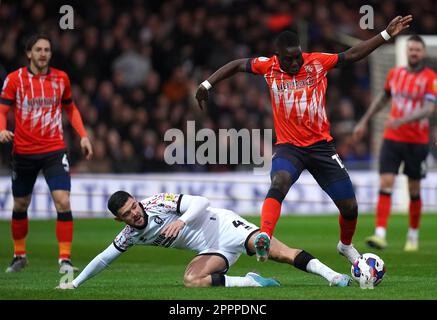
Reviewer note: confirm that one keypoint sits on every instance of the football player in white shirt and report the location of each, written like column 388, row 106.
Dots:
column 219, row 237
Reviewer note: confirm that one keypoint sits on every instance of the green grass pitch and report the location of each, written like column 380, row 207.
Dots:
column 156, row 273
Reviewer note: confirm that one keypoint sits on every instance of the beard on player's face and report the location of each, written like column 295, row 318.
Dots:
column 133, row 214
column 414, row 61
column 40, row 63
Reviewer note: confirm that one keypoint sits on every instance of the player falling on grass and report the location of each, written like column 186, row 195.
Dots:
column 413, row 90
column 219, row 237
column 38, row 93
column 298, row 84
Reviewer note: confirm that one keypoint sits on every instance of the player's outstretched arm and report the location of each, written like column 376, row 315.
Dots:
column 364, row 48
column 99, row 263
column 224, row 72
column 377, row 104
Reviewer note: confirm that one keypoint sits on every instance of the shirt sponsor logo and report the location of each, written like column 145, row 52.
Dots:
column 309, row 69
column 169, row 197
column 158, row 220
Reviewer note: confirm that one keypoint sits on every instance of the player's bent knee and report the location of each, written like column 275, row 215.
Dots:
column 281, row 181
column 349, row 209
column 386, row 182
column 62, row 203
column 194, row 281
column 21, row 204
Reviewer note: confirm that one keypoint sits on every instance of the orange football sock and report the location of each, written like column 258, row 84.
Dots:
column 383, row 209
column 64, row 234
column 271, row 211
column 19, row 228
column 415, row 212
column 347, row 229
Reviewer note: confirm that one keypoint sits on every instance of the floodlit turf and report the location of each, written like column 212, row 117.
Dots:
column 156, row 273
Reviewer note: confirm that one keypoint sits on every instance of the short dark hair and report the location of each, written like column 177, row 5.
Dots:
column 117, row 200
column 287, row 39
column 416, row 38
column 30, row 42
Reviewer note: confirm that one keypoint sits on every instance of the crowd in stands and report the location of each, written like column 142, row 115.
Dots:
column 135, row 67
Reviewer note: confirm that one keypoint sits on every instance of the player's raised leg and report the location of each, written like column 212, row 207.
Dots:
column 326, row 167
column 286, row 168
column 209, row 270
column 304, row 261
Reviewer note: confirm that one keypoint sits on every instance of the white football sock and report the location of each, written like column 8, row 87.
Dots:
column 413, row 234
column 380, row 232
column 240, row 282
column 317, row 267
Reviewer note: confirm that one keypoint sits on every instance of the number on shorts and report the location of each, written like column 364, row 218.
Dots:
column 238, row 223
column 336, row 157
column 65, row 163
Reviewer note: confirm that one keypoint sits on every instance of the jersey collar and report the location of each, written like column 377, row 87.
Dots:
column 36, row 75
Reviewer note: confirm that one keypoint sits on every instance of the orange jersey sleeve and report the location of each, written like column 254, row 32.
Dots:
column 66, row 95
column 7, row 99
column 9, row 91
column 261, row 65
column 76, row 119
column 431, row 88
column 328, row 60
column 72, row 111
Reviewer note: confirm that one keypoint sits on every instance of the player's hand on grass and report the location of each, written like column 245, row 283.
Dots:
column 172, row 230
column 202, row 96
column 66, row 286
column 6, row 136
column 86, row 147
column 398, row 24
column 359, row 131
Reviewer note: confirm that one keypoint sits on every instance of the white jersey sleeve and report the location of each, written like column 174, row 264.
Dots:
column 125, row 239
column 99, row 263
column 192, row 207
column 163, row 203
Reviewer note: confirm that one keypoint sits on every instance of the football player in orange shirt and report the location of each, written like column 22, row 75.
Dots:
column 413, row 91
column 298, row 85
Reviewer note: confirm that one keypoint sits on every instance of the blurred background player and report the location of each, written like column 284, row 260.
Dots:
column 219, row 236
column 298, row 84
column 38, row 93
column 413, row 90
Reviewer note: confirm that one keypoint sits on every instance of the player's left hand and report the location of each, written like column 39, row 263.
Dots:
column 86, row 147
column 172, row 230
column 202, row 96
column 398, row 24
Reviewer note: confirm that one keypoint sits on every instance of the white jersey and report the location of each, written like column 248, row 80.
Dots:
column 201, row 235
column 207, row 230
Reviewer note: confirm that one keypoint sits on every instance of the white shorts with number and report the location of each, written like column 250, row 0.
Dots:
column 231, row 235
